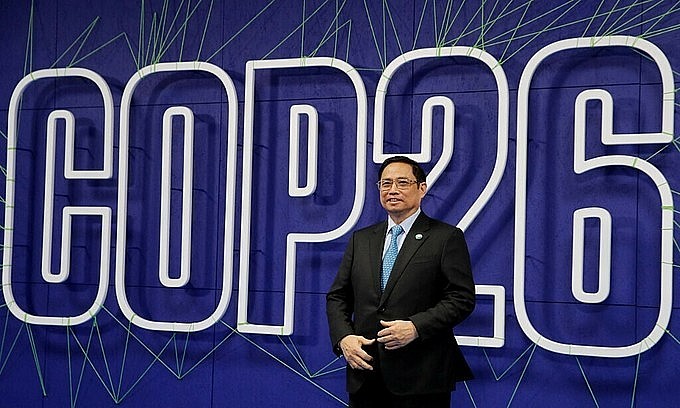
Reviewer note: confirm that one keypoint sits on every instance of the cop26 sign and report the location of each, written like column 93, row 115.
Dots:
column 307, row 113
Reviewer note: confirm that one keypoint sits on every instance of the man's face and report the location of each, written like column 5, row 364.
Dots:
column 401, row 203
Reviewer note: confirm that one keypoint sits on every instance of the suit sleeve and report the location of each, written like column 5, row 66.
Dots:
column 458, row 294
column 340, row 300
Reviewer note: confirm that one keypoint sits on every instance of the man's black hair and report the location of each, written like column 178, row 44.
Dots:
column 418, row 171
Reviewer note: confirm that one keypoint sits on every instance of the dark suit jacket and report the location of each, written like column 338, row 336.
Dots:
column 430, row 284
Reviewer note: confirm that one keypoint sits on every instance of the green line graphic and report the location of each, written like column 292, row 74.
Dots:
column 318, row 23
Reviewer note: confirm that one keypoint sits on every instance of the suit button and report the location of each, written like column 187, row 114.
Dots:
column 382, row 310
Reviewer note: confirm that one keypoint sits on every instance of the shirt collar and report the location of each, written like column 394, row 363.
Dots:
column 406, row 224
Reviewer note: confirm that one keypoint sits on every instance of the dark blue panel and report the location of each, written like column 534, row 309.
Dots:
column 262, row 370
column 26, row 47
column 115, row 39
column 18, row 362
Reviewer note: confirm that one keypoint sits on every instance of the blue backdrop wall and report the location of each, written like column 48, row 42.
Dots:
column 181, row 178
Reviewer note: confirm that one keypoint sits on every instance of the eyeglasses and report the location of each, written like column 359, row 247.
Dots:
column 402, row 184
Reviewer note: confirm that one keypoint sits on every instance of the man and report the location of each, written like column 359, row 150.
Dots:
column 392, row 306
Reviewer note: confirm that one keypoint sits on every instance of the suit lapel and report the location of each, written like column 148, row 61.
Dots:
column 417, row 235
column 375, row 246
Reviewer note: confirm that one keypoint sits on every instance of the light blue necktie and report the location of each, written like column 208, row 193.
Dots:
column 390, row 256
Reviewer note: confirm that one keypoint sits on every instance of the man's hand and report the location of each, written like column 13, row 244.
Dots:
column 356, row 356
column 397, row 333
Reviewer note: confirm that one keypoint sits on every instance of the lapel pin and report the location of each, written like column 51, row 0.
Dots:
column 419, row 236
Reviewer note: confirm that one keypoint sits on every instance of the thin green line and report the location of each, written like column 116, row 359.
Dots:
column 165, row 39
column 375, row 39
column 297, row 352
column 132, row 52
column 184, row 352
column 141, row 343
column 181, row 29
column 637, row 372
column 420, row 23
column 492, row 21
column 293, row 32
column 498, row 37
column 327, row 35
column 125, row 350
column 28, row 58
column 302, row 30
column 296, row 356
column 205, row 30
column 157, row 33
column 675, row 243
column 335, row 19
column 480, row 39
column 658, row 18
column 11, row 348
column 335, row 370
column 157, row 358
column 607, row 15
column 522, row 375
column 660, row 31
column 141, row 37
column 282, row 362
column 320, row 372
column 469, row 394
column 99, row 48
column 161, row 28
column 463, row 33
column 394, row 29
column 514, row 32
column 101, row 345
column 590, row 389
column 4, row 333
column 445, row 22
column 672, row 336
column 384, row 31
column 452, row 22
column 31, row 340
column 87, row 360
column 70, row 369
column 657, row 152
column 434, row 19
column 240, row 30
column 541, row 32
column 89, row 30
column 493, row 371
column 612, row 29
column 174, row 345
column 154, row 35
column 148, row 44
column 207, row 355
column 349, row 36
column 83, row 365
column 531, row 347
column 502, row 15
column 592, row 18
column 167, row 32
